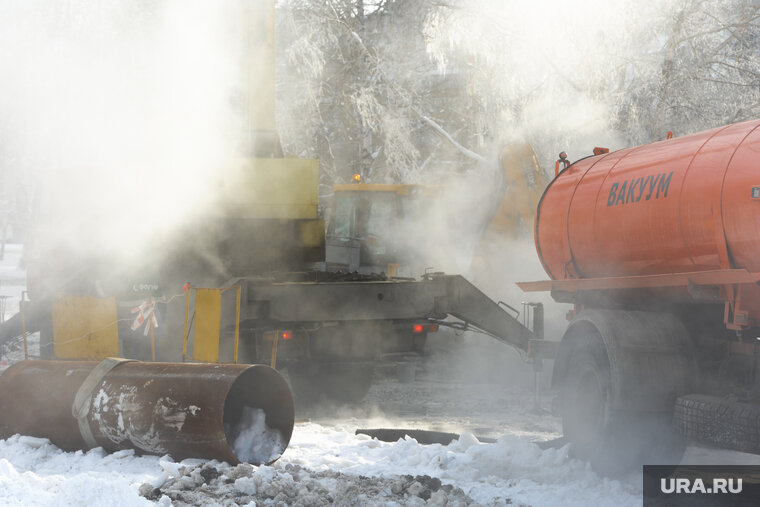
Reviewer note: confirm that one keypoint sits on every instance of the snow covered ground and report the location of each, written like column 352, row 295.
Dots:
column 326, row 463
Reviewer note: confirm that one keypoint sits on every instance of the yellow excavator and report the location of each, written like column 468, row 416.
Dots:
column 254, row 295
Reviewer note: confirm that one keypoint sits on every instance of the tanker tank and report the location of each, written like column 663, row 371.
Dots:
column 683, row 205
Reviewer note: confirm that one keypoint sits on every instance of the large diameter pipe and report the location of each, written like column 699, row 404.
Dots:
column 230, row 412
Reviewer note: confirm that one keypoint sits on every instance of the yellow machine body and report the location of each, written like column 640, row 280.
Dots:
column 212, row 316
column 525, row 183
column 85, row 327
column 403, row 189
column 270, row 188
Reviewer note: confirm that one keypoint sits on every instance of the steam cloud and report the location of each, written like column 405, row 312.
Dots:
column 116, row 114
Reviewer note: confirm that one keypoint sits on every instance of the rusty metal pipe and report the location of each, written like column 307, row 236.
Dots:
column 181, row 409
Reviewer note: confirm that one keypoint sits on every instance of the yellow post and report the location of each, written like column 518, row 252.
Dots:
column 237, row 326
column 187, row 317
column 23, row 324
column 206, row 322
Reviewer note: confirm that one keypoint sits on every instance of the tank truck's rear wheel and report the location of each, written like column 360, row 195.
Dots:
column 584, row 400
column 614, row 442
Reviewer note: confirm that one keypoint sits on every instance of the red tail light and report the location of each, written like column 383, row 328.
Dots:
column 426, row 328
column 285, row 335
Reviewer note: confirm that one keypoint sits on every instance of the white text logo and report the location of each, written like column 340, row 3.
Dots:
column 698, row 486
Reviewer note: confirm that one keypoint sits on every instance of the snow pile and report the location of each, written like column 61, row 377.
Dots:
column 296, row 486
column 511, row 468
column 255, row 442
column 322, row 466
column 35, row 472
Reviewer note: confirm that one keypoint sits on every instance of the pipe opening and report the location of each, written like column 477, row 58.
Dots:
column 258, row 415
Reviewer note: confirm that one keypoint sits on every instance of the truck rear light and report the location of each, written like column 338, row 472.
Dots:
column 426, row 328
column 284, row 335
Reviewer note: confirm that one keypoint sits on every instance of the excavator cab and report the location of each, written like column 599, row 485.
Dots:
column 370, row 229
column 383, row 228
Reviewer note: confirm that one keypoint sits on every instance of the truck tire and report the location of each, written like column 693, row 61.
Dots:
column 614, row 442
column 712, row 420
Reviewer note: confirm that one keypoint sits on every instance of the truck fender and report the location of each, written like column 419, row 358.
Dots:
column 650, row 354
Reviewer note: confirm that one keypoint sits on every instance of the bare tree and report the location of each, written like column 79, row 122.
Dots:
column 360, row 92
column 406, row 91
column 709, row 72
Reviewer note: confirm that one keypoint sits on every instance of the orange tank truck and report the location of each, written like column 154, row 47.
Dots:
column 658, row 248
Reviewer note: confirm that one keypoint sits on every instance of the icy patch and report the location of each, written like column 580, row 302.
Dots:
column 465, row 441
column 33, row 442
column 7, row 469
column 255, row 442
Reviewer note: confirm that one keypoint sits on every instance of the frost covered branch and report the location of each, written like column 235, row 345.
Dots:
column 441, row 131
